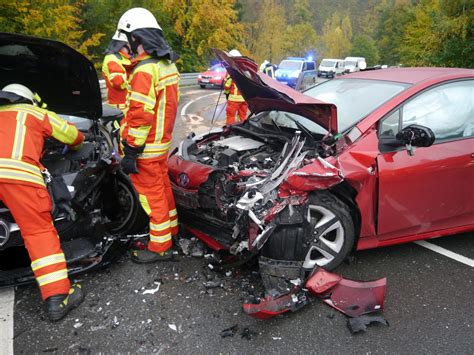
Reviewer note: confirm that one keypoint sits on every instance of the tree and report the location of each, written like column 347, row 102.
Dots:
column 391, row 30
column 337, row 36
column 54, row 19
column 364, row 46
column 269, row 31
column 299, row 40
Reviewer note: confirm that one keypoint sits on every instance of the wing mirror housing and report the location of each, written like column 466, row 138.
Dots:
column 416, row 136
column 410, row 137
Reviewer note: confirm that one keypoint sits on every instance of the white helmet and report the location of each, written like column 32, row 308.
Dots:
column 136, row 18
column 119, row 36
column 234, row 53
column 20, row 90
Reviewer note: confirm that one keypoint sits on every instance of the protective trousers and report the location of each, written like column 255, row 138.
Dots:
column 31, row 209
column 156, row 197
column 234, row 109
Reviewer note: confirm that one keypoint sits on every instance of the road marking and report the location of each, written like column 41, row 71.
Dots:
column 7, row 301
column 448, row 253
column 185, row 107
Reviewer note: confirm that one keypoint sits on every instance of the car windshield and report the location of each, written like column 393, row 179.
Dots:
column 327, row 63
column 355, row 98
column 290, row 64
column 288, row 120
column 217, row 68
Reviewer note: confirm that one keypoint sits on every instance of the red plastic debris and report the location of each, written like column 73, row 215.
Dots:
column 353, row 298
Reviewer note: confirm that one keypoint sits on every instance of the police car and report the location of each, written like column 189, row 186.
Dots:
column 290, row 69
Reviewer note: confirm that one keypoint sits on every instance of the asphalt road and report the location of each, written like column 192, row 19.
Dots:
column 429, row 302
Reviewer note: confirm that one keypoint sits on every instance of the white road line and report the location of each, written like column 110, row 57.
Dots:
column 7, row 301
column 446, row 252
column 185, row 107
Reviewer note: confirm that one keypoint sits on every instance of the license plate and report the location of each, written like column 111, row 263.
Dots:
column 205, row 81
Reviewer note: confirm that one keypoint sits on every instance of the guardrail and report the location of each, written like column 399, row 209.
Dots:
column 186, row 80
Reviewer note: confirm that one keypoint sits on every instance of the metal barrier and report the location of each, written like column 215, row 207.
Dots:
column 187, row 79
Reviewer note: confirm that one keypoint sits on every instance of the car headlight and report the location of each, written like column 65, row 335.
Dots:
column 199, row 76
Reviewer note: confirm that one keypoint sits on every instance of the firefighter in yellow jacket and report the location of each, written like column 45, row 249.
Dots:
column 24, row 127
column 237, row 108
column 147, row 128
column 116, row 70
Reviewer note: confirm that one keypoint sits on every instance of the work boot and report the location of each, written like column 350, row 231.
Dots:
column 60, row 305
column 146, row 256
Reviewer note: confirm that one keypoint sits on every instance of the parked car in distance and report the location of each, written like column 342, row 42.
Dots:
column 331, row 67
column 353, row 64
column 365, row 160
column 290, row 69
column 214, row 77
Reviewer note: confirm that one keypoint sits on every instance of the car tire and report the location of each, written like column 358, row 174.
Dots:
column 331, row 219
column 202, row 86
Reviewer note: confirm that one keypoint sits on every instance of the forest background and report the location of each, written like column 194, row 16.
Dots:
column 391, row 32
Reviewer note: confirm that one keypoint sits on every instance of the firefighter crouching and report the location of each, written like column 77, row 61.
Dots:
column 116, row 69
column 237, row 108
column 147, row 127
column 23, row 130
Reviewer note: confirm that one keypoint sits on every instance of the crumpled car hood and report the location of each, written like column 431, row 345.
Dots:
column 263, row 93
column 64, row 78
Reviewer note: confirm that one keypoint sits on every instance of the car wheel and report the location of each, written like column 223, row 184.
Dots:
column 202, row 86
column 326, row 240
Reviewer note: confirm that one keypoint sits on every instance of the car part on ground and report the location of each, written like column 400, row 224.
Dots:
column 352, row 298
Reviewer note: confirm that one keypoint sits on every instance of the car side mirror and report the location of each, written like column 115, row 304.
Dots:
column 410, row 136
column 416, row 136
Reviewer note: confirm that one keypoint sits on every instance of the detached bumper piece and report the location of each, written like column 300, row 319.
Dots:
column 352, row 298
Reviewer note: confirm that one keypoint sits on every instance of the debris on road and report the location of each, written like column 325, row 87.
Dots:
column 353, row 298
column 359, row 324
column 154, row 290
column 116, row 323
column 229, row 332
column 247, row 333
column 173, row 327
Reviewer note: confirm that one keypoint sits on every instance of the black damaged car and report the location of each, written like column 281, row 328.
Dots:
column 100, row 210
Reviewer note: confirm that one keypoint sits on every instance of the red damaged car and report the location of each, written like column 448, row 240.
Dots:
column 367, row 160
column 214, row 77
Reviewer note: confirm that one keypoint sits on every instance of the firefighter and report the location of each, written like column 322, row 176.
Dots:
column 147, row 128
column 236, row 105
column 116, row 69
column 24, row 128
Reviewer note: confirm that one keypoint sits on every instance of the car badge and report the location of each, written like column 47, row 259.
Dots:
column 183, row 180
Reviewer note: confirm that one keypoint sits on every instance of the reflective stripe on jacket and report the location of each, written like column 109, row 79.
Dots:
column 23, row 130
column 152, row 106
column 232, row 89
column 269, row 71
column 115, row 70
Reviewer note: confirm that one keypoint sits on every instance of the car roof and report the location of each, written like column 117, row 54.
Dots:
column 411, row 75
column 332, row 59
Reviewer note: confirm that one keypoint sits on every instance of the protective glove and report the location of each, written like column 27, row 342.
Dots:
column 226, row 96
column 129, row 161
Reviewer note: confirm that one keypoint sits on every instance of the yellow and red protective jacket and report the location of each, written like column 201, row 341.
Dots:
column 116, row 70
column 232, row 90
column 152, row 106
column 23, row 129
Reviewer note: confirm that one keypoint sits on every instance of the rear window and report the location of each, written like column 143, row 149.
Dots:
column 355, row 98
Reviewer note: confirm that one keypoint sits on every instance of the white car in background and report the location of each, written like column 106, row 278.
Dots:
column 354, row 64
column 331, row 67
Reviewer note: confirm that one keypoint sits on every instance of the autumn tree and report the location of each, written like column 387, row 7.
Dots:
column 54, row 19
column 337, row 37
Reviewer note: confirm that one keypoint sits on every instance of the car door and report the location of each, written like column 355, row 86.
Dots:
column 433, row 189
